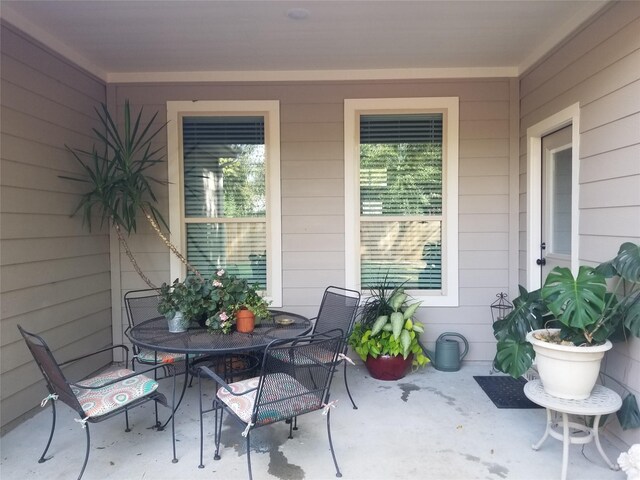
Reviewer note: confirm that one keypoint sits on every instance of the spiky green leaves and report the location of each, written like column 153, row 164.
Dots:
column 119, row 187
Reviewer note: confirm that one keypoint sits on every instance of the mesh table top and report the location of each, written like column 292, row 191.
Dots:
column 154, row 335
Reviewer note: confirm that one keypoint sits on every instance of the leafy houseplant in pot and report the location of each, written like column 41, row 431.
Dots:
column 569, row 323
column 386, row 336
column 214, row 303
column 171, row 305
column 251, row 310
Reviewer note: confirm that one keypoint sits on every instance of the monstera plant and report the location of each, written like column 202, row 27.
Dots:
column 598, row 304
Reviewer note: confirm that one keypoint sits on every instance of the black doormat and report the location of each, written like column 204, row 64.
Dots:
column 505, row 392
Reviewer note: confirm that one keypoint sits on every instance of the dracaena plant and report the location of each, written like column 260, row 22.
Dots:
column 598, row 304
column 119, row 186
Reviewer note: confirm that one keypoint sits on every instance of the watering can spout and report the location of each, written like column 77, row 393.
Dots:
column 447, row 356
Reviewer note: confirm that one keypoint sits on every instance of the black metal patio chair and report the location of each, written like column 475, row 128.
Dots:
column 282, row 391
column 96, row 398
column 142, row 305
column 338, row 310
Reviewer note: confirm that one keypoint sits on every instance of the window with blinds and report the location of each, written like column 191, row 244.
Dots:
column 401, row 199
column 225, row 200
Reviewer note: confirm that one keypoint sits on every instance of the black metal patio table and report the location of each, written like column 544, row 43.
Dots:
column 196, row 341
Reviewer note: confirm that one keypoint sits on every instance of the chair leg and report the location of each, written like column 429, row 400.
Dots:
column 126, row 418
column 249, row 455
column 53, row 427
column 86, row 455
column 333, row 453
column 184, row 389
column 173, row 420
column 218, row 429
column 346, row 384
column 201, row 465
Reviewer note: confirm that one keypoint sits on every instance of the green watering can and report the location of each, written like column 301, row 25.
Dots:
column 447, row 357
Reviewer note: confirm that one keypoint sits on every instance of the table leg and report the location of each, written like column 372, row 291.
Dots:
column 536, row 446
column 565, row 445
column 596, row 425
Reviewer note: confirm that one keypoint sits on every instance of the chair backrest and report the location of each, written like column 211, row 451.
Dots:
column 141, row 305
column 296, row 377
column 56, row 381
column 337, row 310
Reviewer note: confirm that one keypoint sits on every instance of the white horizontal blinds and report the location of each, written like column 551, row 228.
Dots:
column 401, row 199
column 237, row 247
column 224, row 180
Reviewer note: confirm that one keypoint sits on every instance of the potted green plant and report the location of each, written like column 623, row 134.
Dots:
column 568, row 317
column 250, row 310
column 214, row 303
column 172, row 304
column 386, row 336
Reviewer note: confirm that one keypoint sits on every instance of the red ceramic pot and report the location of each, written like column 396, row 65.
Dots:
column 388, row 367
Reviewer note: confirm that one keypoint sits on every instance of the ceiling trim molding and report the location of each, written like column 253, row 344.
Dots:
column 311, row 75
column 18, row 21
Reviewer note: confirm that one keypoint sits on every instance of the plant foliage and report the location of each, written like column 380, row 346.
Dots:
column 117, row 175
column 386, row 326
column 599, row 304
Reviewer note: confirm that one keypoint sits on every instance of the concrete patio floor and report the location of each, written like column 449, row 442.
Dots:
column 430, row 424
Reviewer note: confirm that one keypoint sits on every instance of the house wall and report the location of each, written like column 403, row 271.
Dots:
column 312, row 165
column 55, row 276
column 599, row 67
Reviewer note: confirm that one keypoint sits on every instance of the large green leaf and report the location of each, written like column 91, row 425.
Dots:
column 576, row 302
column 631, row 313
column 627, row 262
column 514, row 357
column 527, row 314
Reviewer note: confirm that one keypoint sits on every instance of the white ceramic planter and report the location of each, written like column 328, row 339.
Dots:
column 567, row 371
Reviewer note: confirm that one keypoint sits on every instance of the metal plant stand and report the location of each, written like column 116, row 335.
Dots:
column 601, row 402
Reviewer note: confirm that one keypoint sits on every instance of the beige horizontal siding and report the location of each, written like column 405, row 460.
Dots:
column 55, row 273
column 312, row 181
column 599, row 68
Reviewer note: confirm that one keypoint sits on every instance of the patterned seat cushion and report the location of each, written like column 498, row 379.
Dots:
column 280, row 403
column 153, row 357
column 97, row 402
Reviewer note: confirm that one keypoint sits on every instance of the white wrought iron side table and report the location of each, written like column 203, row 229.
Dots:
column 601, row 402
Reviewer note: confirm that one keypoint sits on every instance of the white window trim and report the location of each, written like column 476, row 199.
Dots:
column 568, row 116
column 270, row 109
column 449, row 106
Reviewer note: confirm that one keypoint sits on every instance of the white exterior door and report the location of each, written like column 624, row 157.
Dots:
column 556, row 176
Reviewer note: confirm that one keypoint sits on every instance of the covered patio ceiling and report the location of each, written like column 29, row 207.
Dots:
column 273, row 39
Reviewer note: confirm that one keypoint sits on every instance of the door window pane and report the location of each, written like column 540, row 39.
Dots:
column 561, row 202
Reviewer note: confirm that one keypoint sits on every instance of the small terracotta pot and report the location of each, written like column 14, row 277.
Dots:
column 245, row 321
column 388, row 367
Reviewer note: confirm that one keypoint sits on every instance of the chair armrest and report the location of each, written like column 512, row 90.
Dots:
column 214, row 376
column 118, row 380
column 124, row 347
